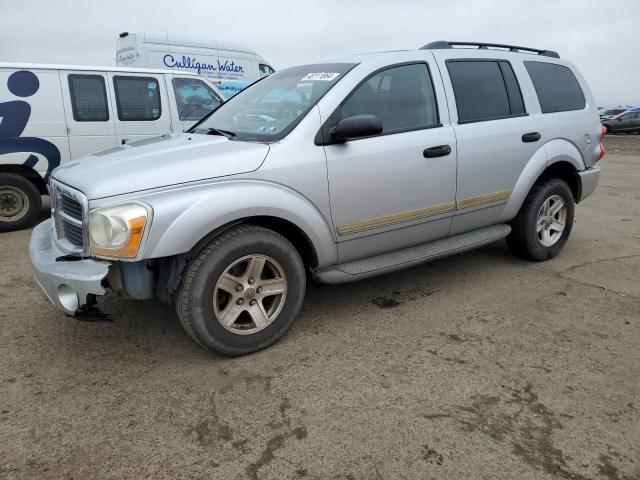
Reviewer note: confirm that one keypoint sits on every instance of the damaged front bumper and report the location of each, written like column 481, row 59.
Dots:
column 65, row 281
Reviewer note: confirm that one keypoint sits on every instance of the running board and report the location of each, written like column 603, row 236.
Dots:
column 408, row 257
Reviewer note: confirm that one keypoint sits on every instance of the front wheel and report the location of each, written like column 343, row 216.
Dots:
column 20, row 202
column 242, row 292
column 544, row 222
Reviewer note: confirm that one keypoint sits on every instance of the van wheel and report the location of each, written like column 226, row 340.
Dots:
column 20, row 202
column 242, row 292
column 544, row 222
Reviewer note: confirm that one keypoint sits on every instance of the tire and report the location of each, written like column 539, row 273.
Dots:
column 203, row 294
column 20, row 202
column 527, row 238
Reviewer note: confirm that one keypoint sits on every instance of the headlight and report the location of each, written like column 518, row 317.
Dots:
column 118, row 231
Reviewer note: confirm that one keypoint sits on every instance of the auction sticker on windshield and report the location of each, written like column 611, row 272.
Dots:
column 322, row 76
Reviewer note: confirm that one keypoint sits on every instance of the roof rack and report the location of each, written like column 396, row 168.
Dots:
column 443, row 44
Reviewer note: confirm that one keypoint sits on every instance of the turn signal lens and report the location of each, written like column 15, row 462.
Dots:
column 117, row 232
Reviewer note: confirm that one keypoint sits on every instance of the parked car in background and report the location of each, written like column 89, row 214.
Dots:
column 231, row 67
column 627, row 122
column 612, row 112
column 345, row 170
column 55, row 113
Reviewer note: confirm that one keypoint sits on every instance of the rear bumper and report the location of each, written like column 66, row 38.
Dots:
column 588, row 181
column 65, row 283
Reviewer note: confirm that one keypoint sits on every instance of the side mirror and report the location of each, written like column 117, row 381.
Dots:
column 619, row 119
column 356, row 126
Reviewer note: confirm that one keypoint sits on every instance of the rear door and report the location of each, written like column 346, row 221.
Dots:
column 142, row 106
column 496, row 135
column 626, row 123
column 89, row 112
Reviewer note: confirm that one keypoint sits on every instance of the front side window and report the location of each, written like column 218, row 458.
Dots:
column 88, row 98
column 194, row 98
column 270, row 108
column 137, row 98
column 265, row 70
column 485, row 90
column 557, row 87
column 402, row 97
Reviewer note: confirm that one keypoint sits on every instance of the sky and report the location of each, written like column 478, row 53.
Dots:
column 601, row 38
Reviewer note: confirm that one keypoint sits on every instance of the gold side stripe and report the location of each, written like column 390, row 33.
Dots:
column 482, row 199
column 363, row 225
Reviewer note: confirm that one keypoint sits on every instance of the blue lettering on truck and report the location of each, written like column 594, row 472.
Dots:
column 15, row 116
column 194, row 64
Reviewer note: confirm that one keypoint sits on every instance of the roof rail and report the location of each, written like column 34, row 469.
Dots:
column 443, row 44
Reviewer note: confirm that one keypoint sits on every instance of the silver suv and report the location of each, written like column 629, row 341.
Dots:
column 341, row 170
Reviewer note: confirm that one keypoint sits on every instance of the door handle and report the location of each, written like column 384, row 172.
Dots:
column 439, row 151
column 531, row 137
column 124, row 141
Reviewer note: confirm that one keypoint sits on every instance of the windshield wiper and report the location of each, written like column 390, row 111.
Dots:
column 218, row 131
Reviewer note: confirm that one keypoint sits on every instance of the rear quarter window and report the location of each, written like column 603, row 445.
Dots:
column 557, row 88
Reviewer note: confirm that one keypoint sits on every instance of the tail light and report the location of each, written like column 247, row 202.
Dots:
column 604, row 132
column 602, row 152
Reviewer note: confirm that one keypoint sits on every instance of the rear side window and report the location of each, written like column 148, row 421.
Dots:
column 137, row 98
column 402, row 97
column 88, row 98
column 194, row 98
column 557, row 87
column 485, row 90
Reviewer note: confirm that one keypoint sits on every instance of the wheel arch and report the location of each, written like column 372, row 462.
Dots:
column 184, row 219
column 557, row 158
column 28, row 173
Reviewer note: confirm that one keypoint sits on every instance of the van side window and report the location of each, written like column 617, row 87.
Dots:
column 557, row 87
column 402, row 97
column 88, row 98
column 485, row 90
column 194, row 98
column 137, row 98
column 265, row 70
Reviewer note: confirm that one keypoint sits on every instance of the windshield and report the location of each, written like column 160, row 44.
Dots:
column 269, row 109
column 613, row 112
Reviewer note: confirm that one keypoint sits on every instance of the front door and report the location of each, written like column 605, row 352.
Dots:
column 395, row 189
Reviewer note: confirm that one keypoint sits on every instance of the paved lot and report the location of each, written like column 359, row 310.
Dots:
column 479, row 366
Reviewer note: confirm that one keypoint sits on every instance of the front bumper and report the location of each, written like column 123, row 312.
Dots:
column 66, row 283
column 588, row 180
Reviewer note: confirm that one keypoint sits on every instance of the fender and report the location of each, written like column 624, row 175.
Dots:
column 554, row 151
column 184, row 216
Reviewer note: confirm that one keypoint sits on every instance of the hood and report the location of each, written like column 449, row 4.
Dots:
column 160, row 162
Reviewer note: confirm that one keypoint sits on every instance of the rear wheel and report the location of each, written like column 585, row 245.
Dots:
column 544, row 222
column 20, row 202
column 242, row 292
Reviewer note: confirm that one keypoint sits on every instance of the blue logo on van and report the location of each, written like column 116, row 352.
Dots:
column 194, row 64
column 15, row 116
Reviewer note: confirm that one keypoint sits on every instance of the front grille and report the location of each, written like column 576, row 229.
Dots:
column 73, row 233
column 69, row 207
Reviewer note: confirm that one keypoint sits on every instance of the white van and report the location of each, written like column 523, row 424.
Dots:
column 50, row 114
column 231, row 67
